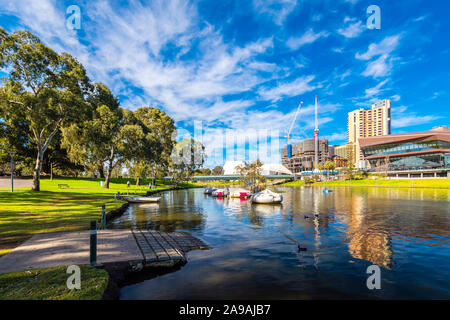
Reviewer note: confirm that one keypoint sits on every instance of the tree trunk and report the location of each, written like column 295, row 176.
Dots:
column 108, row 177
column 138, row 181
column 51, row 171
column 154, row 177
column 110, row 169
column 101, row 171
column 37, row 170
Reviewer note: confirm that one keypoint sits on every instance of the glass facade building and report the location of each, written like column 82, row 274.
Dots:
column 410, row 151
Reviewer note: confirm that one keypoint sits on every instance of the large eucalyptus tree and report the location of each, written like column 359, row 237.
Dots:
column 43, row 90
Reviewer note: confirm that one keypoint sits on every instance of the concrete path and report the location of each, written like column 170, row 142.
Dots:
column 66, row 248
column 5, row 183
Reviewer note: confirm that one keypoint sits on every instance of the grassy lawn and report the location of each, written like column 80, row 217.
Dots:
column 220, row 183
column 50, row 284
column 296, row 183
column 25, row 213
column 417, row 183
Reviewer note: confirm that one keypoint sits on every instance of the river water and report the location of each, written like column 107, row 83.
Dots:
column 254, row 255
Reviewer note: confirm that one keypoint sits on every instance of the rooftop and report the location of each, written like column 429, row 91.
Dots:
column 438, row 133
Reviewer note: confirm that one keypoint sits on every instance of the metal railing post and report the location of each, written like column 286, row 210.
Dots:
column 103, row 217
column 93, row 244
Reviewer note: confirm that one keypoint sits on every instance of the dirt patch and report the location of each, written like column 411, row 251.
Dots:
column 5, row 183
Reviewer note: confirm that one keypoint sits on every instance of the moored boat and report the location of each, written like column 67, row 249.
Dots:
column 240, row 193
column 142, row 199
column 267, row 196
column 220, row 193
column 209, row 190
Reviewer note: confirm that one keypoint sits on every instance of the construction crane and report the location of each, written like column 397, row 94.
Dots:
column 289, row 146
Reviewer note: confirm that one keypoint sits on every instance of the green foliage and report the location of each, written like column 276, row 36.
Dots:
column 251, row 174
column 44, row 90
column 350, row 168
column 296, row 183
column 203, row 172
column 187, row 156
column 330, row 165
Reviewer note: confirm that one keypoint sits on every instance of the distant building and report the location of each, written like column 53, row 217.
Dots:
column 302, row 158
column 368, row 123
column 230, row 167
column 341, row 154
column 275, row 169
column 427, row 151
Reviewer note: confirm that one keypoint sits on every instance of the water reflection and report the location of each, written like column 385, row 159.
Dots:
column 405, row 231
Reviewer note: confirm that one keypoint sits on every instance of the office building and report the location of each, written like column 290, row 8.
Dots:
column 304, row 155
column 425, row 153
column 363, row 123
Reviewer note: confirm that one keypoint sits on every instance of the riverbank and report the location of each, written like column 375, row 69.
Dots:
column 220, row 183
column 25, row 213
column 394, row 183
column 51, row 284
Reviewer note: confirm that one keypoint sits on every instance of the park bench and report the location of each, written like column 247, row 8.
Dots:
column 63, row 186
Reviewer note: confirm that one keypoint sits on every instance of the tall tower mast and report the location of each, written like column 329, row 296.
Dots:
column 316, row 140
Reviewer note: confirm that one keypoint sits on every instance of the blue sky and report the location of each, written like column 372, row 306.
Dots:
column 245, row 65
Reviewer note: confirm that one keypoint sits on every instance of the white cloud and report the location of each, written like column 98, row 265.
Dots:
column 421, row 18
column 336, row 137
column 374, row 91
column 395, row 97
column 384, row 48
column 317, row 17
column 288, row 89
column 401, row 118
column 308, row 37
column 380, row 67
column 412, row 120
column 352, row 30
column 277, row 10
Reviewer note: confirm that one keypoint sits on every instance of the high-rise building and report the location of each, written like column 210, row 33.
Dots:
column 304, row 155
column 368, row 123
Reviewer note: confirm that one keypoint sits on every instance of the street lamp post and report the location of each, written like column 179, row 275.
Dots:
column 12, row 153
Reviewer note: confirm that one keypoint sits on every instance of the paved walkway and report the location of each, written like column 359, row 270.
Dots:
column 5, row 183
column 66, row 248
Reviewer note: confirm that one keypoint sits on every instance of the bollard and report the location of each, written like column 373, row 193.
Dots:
column 118, row 194
column 115, row 197
column 103, row 217
column 93, row 243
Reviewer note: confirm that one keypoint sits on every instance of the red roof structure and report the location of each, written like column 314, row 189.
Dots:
column 438, row 133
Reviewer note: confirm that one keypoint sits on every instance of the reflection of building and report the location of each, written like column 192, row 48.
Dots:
column 303, row 155
column 371, row 244
column 368, row 123
column 425, row 151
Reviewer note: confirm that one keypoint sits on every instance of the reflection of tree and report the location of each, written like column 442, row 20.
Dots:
column 178, row 211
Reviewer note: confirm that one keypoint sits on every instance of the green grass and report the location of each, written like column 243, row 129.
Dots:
column 25, row 213
column 220, row 183
column 50, row 284
column 296, row 183
column 417, row 183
